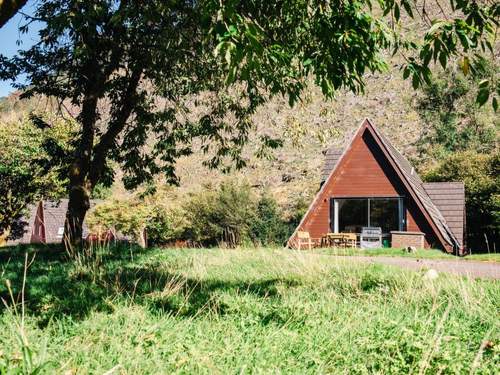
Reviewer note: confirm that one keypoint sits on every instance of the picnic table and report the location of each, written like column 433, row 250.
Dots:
column 339, row 240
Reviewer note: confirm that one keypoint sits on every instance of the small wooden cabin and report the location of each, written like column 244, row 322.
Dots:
column 43, row 224
column 371, row 184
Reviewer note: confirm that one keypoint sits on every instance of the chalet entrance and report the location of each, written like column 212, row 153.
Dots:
column 351, row 214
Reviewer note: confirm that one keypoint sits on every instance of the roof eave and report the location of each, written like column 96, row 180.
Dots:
column 446, row 245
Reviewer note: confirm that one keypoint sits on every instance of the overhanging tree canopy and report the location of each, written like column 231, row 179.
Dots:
column 127, row 67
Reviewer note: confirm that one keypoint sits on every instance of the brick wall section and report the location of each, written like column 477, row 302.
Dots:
column 405, row 239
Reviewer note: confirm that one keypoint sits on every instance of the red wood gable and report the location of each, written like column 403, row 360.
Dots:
column 364, row 170
column 38, row 230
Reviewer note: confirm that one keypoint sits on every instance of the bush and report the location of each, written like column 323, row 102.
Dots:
column 232, row 214
column 223, row 215
column 229, row 214
column 126, row 216
column 298, row 211
column 165, row 225
column 269, row 227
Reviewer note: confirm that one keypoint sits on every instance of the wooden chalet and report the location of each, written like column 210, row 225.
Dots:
column 371, row 184
column 44, row 223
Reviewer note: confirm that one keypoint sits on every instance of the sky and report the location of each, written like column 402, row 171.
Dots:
column 10, row 37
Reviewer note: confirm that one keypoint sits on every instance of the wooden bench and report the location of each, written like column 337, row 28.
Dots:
column 303, row 238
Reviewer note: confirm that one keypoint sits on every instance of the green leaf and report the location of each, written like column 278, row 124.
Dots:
column 482, row 96
column 436, row 26
column 218, row 49
column 407, row 6
column 463, row 39
column 396, row 12
column 443, row 59
column 406, row 73
column 232, row 30
column 495, row 104
column 415, row 81
column 465, row 65
column 307, row 62
column 227, row 56
column 484, row 83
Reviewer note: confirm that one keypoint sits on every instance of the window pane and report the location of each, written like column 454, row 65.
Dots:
column 384, row 213
column 353, row 215
column 60, row 232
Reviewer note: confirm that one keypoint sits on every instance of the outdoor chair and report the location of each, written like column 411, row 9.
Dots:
column 303, row 238
column 350, row 240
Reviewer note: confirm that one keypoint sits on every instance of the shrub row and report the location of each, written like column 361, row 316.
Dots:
column 230, row 214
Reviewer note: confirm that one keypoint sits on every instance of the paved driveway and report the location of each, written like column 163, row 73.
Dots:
column 458, row 267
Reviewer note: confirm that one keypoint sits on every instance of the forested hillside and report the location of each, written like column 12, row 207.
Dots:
column 307, row 130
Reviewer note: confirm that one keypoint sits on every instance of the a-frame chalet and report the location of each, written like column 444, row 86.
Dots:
column 370, row 184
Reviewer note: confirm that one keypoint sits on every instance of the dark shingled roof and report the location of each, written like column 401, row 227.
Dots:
column 453, row 236
column 332, row 156
column 449, row 197
column 54, row 216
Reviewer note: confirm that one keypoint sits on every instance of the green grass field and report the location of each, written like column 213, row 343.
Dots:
column 241, row 311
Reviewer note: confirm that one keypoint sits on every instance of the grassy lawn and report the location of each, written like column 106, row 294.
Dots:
column 419, row 254
column 242, row 311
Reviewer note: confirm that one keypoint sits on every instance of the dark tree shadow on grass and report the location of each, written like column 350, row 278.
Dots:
column 55, row 288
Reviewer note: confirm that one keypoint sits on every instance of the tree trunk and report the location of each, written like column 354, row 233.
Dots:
column 90, row 160
column 78, row 205
column 79, row 182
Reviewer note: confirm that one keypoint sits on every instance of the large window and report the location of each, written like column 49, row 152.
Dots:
column 384, row 213
column 351, row 214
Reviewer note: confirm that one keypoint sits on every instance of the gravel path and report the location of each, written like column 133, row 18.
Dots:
column 458, row 267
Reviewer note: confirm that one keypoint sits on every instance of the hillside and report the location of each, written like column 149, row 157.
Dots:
column 306, row 129
column 309, row 128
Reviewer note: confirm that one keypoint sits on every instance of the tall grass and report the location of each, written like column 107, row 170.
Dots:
column 24, row 362
column 228, row 311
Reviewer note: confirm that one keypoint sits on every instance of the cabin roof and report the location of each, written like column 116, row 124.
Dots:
column 449, row 197
column 451, row 234
column 54, row 213
column 54, row 217
column 332, row 157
